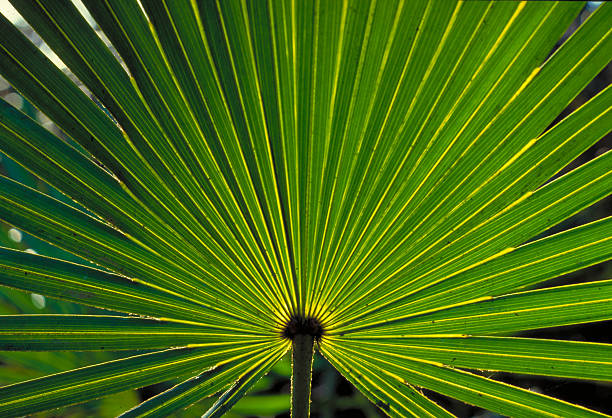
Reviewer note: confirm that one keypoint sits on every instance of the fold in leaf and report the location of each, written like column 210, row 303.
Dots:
column 527, row 265
column 88, row 332
column 244, row 384
column 201, row 386
column 393, row 397
column 559, row 199
column 79, row 233
column 470, row 388
column 465, row 167
column 568, row 359
column 95, row 381
column 377, row 172
column 543, row 308
column 94, row 287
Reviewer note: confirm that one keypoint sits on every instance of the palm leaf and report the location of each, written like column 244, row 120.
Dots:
column 371, row 180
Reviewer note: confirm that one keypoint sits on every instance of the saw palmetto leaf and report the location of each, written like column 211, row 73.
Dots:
column 374, row 179
column 210, row 382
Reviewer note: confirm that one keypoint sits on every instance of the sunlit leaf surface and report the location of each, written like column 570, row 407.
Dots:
column 379, row 168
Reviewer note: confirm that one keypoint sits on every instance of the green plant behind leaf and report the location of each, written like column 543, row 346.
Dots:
column 361, row 176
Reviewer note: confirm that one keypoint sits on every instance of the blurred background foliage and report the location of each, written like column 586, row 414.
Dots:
column 332, row 395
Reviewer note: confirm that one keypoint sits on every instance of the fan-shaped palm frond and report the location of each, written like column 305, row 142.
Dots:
column 363, row 177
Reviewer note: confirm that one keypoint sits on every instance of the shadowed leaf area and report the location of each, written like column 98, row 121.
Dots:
column 194, row 191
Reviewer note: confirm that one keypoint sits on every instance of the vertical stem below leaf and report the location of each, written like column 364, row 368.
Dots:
column 303, row 346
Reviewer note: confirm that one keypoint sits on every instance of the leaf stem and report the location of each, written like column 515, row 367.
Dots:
column 303, row 347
